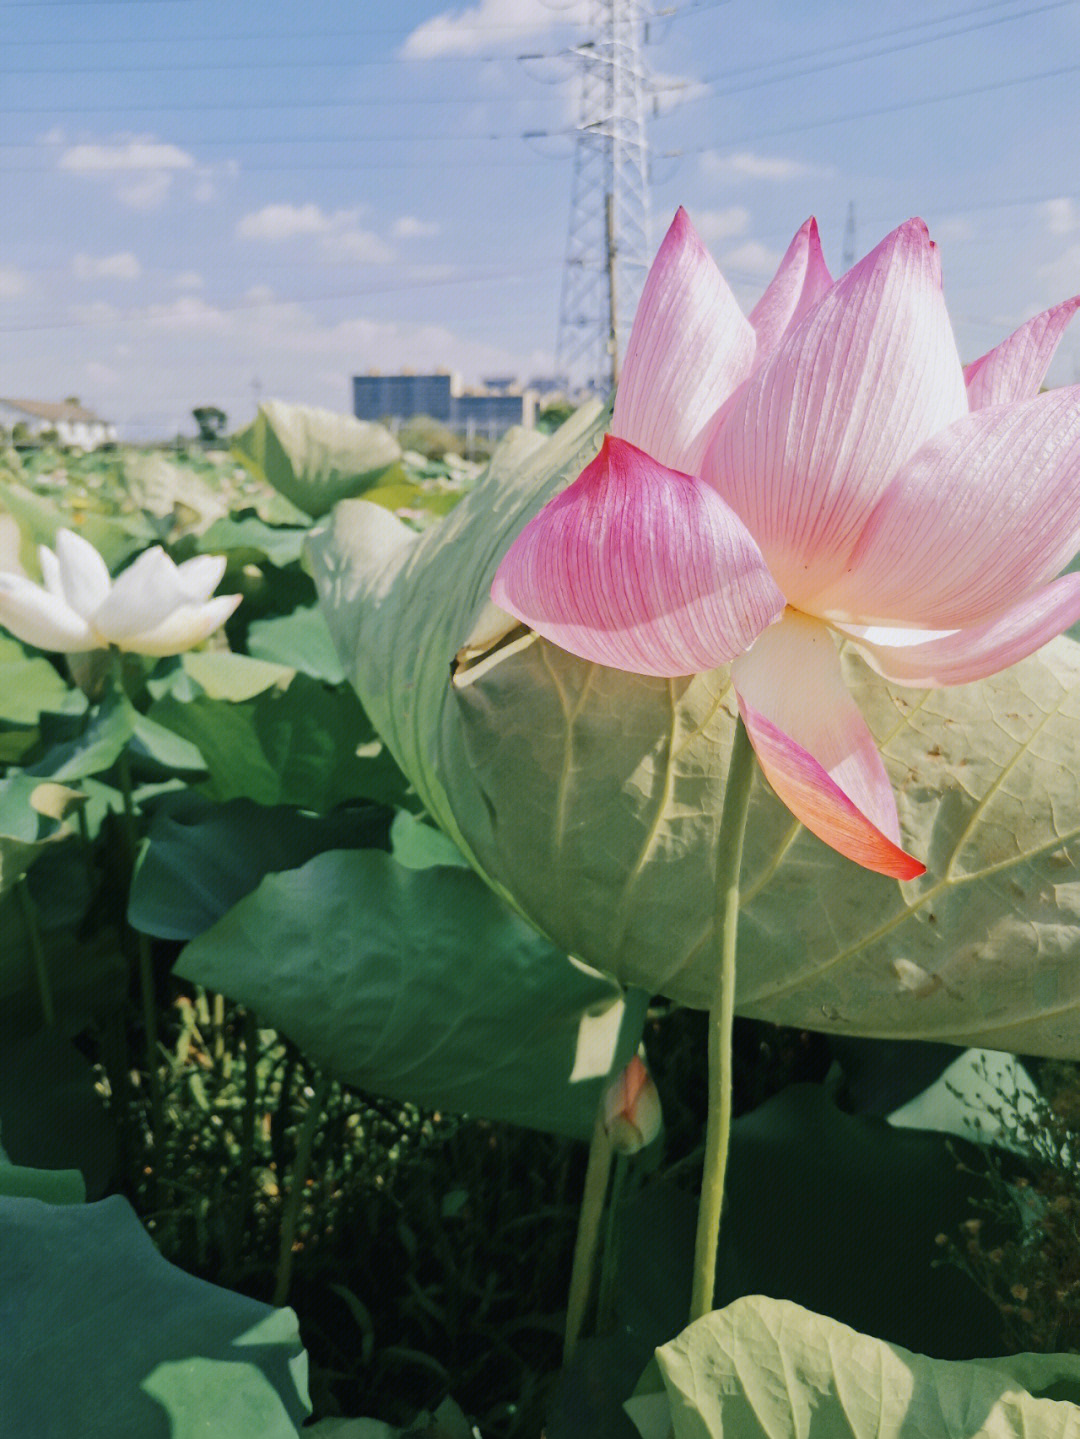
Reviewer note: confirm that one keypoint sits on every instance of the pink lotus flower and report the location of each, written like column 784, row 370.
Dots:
column 825, row 468
column 632, row 1113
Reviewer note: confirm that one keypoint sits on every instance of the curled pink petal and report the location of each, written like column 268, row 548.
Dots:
column 813, row 437
column 689, row 348
column 814, row 747
column 641, row 568
column 927, row 660
column 983, row 514
column 799, row 283
column 1016, row 368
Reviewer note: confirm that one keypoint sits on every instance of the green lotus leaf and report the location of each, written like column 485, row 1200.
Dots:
column 105, row 1339
column 315, row 458
column 766, row 1369
column 591, row 798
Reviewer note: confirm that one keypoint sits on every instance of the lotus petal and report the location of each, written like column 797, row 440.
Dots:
column 958, row 657
column 201, row 575
column 814, row 746
column 1016, row 368
column 142, row 597
column 39, row 618
column 982, row 515
column 83, row 574
column 186, row 626
column 639, row 567
column 799, row 283
column 689, row 348
column 813, row 437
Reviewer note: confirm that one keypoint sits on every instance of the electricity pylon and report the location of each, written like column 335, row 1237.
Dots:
column 608, row 246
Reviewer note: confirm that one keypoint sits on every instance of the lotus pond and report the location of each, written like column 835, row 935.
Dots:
column 308, row 1122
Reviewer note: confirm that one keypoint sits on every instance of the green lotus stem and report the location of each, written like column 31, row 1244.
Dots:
column 296, row 1190
column 146, row 966
column 609, row 1266
column 721, row 1019
column 589, row 1216
column 247, row 1123
column 37, row 949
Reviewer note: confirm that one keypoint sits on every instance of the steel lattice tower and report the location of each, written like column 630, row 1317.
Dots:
column 608, row 247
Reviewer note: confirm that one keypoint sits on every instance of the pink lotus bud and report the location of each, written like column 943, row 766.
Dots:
column 632, row 1113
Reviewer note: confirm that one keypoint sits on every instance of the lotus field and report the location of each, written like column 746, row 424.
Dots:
column 583, row 944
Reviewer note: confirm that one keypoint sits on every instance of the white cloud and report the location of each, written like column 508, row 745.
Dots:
column 745, row 165
column 952, row 230
column 339, row 236
column 283, row 222
column 408, row 227
column 13, row 283
column 753, row 258
column 187, row 280
column 141, row 169
column 1061, row 216
column 121, row 266
column 715, row 225
column 668, row 92
column 480, row 26
column 135, row 153
column 1063, row 274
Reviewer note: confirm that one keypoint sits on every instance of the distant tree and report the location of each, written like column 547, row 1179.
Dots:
column 211, row 422
column 73, row 400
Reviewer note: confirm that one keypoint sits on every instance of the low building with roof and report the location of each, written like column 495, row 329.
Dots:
column 72, row 423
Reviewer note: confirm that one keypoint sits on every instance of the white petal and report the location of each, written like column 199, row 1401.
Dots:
column 84, row 575
column 202, row 575
column 143, row 596
column 39, row 618
column 185, row 627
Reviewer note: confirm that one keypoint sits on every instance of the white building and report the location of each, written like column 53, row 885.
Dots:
column 73, row 424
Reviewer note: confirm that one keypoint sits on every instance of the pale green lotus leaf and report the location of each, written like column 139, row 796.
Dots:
column 591, row 798
column 767, row 1369
column 315, row 457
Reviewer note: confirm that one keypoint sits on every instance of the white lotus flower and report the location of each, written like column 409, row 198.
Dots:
column 155, row 607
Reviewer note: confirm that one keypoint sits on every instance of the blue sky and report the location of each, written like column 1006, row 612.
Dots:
column 204, row 201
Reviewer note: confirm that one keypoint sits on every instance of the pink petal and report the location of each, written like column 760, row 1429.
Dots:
column 814, row 747
column 689, row 348
column 926, row 660
column 640, row 568
column 1016, row 368
column 799, row 283
column 811, row 440
column 985, row 513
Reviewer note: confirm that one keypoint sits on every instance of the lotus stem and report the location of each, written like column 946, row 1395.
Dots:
column 609, row 1263
column 721, row 1019
column 146, row 965
column 589, row 1216
column 296, row 1190
column 37, row 949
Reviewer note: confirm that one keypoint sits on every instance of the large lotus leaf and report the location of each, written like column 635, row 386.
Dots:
column 766, row 1369
column 421, row 985
column 297, row 745
column 32, row 817
column 591, row 798
column 105, row 1339
column 39, row 519
column 202, row 856
column 314, row 457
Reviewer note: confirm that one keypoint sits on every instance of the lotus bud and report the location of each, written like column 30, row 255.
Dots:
column 632, row 1114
